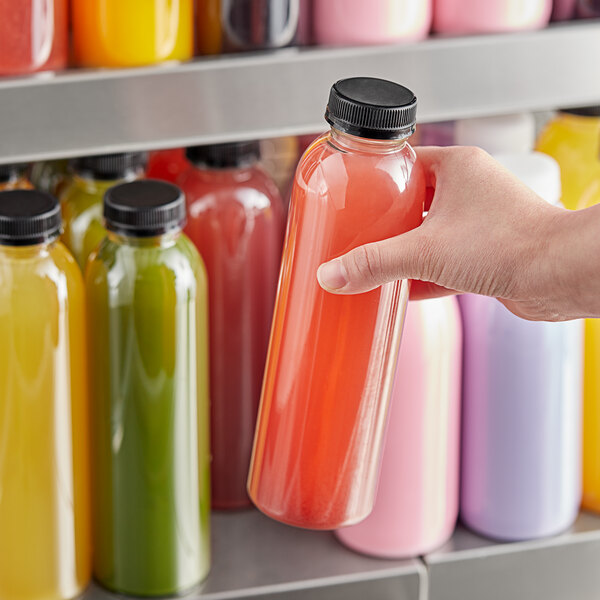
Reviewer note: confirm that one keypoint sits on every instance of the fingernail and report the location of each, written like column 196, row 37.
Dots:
column 332, row 275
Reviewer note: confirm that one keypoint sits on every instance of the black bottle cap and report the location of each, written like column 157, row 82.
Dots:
column 585, row 111
column 12, row 171
column 372, row 108
column 109, row 167
column 224, row 156
column 144, row 208
column 28, row 217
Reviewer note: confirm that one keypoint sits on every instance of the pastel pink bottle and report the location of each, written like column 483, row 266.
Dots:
column 458, row 17
column 417, row 500
column 358, row 22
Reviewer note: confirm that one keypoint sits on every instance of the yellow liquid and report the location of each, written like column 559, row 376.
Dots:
column 44, row 487
column 591, row 395
column 574, row 141
column 120, row 33
column 81, row 206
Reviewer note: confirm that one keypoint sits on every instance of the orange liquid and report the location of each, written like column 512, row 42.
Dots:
column 331, row 358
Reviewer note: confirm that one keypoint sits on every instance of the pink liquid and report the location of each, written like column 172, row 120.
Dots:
column 489, row 16
column 331, row 358
column 235, row 219
column 417, row 499
column 356, row 22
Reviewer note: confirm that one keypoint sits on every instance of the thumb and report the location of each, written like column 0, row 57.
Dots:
column 372, row 265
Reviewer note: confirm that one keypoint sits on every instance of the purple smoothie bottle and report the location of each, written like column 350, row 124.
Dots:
column 521, row 407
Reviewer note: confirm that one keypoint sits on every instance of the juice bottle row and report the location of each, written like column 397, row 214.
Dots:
column 126, row 395
column 42, row 35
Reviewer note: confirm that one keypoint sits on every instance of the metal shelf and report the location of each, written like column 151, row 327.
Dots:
column 472, row 568
column 255, row 557
column 284, row 92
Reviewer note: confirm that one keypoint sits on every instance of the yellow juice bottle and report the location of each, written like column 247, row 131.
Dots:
column 44, row 489
column 81, row 198
column 122, row 33
column 572, row 138
column 591, row 393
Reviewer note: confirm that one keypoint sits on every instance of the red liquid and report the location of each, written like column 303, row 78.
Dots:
column 33, row 36
column 167, row 165
column 235, row 218
column 331, row 358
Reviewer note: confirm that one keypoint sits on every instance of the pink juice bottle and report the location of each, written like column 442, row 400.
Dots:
column 358, row 22
column 235, row 219
column 459, row 17
column 331, row 358
column 417, row 500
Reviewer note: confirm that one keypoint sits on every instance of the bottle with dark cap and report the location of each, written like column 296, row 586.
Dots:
column 147, row 305
column 236, row 222
column 81, row 199
column 332, row 358
column 14, row 177
column 44, row 467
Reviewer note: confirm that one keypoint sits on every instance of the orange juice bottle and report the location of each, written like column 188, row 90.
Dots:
column 572, row 138
column 113, row 33
column 44, row 497
column 331, row 358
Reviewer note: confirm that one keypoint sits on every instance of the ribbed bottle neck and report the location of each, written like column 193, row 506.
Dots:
column 352, row 143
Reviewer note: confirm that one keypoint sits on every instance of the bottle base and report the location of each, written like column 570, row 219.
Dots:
column 516, row 536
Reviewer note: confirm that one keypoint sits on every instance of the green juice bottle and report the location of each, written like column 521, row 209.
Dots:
column 81, row 197
column 147, row 295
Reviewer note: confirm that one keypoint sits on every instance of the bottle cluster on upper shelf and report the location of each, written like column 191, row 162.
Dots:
column 111, row 33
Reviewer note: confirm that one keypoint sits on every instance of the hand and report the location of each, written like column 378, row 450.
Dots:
column 485, row 233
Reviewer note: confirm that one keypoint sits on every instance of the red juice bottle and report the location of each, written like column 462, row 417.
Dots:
column 33, row 36
column 236, row 222
column 331, row 358
column 167, row 165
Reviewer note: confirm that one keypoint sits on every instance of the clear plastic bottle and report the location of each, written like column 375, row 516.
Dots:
column 417, row 498
column 147, row 298
column 358, row 22
column 113, row 33
column 81, row 198
column 14, row 177
column 33, row 36
column 236, row 222
column 242, row 25
column 331, row 358
column 50, row 176
column 45, row 547
column 460, row 17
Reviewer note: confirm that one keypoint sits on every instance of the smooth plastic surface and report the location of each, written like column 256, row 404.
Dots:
column 242, row 25
column 521, row 470
column 45, row 542
column 147, row 304
column 236, row 222
column 357, row 22
column 81, row 205
column 574, row 141
column 459, row 17
column 33, row 36
column 417, row 498
column 331, row 358
column 113, row 33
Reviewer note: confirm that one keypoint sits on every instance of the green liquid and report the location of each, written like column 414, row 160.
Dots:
column 149, row 390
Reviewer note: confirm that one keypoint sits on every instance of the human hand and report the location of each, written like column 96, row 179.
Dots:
column 485, row 233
